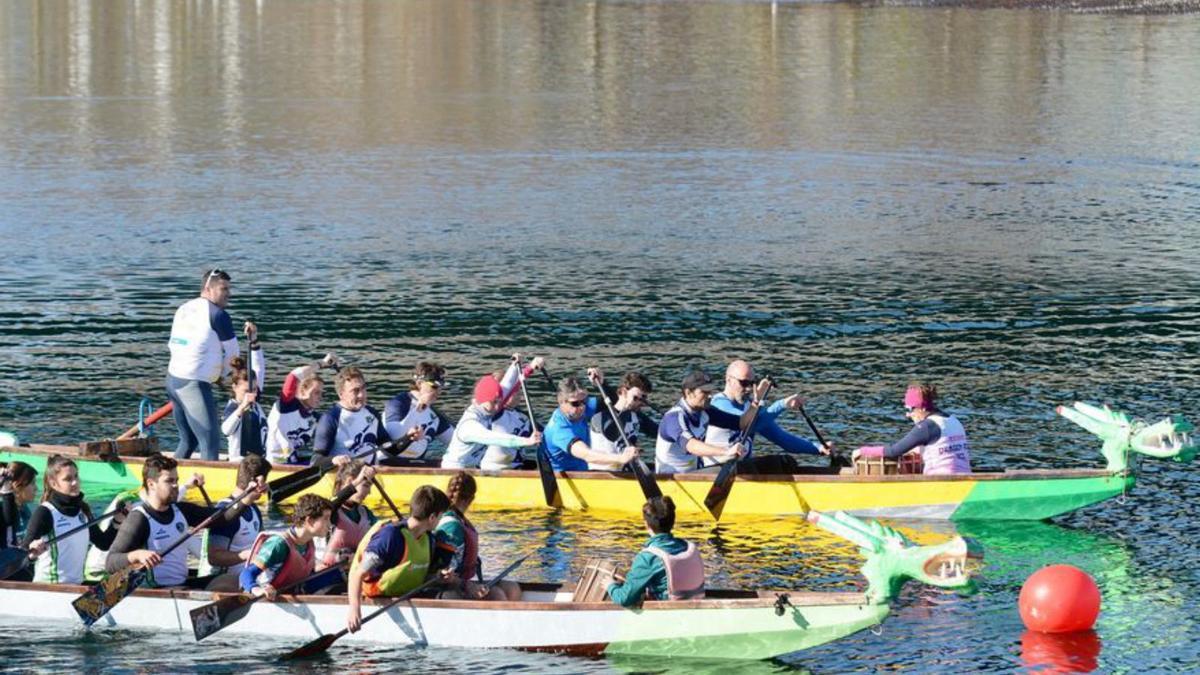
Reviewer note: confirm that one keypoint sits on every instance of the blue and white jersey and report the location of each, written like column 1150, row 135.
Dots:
column 401, row 415
column 724, row 432
column 679, row 425
column 202, row 342
column 290, row 431
column 341, row 432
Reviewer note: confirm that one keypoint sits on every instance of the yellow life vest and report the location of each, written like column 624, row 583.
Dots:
column 406, row 575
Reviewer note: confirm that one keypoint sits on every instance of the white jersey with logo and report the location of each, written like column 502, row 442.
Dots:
column 173, row 570
column 401, row 415
column 600, row 442
column 353, row 433
column 290, row 432
column 202, row 341
column 950, row 453
column 63, row 561
column 243, row 538
column 679, row 425
column 478, row 439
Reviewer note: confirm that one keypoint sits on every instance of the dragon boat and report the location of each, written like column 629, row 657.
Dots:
column 547, row 618
column 1019, row 494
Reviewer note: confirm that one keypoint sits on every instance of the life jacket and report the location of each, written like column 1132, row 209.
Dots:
column 298, row 565
column 244, row 538
column 407, row 574
column 173, row 570
column 63, row 561
column 346, row 535
column 685, row 572
column 950, row 453
column 469, row 567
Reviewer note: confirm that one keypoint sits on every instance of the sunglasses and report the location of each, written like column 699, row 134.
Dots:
column 639, row 399
column 577, row 404
column 436, row 384
column 744, row 383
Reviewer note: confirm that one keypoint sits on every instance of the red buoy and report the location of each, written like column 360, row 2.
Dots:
column 1059, row 599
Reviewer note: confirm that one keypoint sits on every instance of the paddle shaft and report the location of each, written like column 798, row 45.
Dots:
column 204, row 493
column 649, row 486
column 203, row 524
column 487, row 587
column 820, row 438
column 310, row 474
column 150, row 419
column 82, row 526
column 383, row 493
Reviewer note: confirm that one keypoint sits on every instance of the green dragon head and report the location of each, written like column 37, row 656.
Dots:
column 1169, row 439
column 893, row 560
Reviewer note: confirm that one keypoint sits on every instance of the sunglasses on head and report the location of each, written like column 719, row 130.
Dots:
column 215, row 273
column 641, row 398
column 436, row 384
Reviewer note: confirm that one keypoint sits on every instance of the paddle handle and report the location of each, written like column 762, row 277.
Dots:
column 749, row 435
column 807, row 419
column 525, row 395
column 150, row 419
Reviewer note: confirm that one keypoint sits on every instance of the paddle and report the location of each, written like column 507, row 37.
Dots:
column 545, row 470
column 204, row 493
column 210, row 618
column 150, row 419
column 383, row 493
column 835, row 459
column 649, row 486
column 285, row 486
column 722, row 485
column 99, row 599
column 14, row 559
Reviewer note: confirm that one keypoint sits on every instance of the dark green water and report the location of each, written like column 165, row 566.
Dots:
column 1003, row 202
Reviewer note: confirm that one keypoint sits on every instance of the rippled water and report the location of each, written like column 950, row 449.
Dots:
column 1004, row 202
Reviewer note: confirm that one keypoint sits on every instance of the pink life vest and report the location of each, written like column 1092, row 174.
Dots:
column 950, row 453
column 346, row 536
column 685, row 572
column 297, row 567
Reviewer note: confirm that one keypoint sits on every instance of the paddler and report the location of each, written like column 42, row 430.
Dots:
column 226, row 545
column 17, row 491
column 394, row 558
column 292, row 423
column 458, row 537
column 940, row 437
column 683, row 430
column 351, row 520
column 628, row 400
column 667, row 568
column 412, row 414
column 279, row 560
column 568, row 436
column 243, row 422
column 486, row 435
column 158, row 522
column 63, row 507
column 742, row 393
column 350, row 428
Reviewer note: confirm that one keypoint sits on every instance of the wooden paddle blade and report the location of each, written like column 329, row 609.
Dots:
column 313, row 648
column 549, row 482
column 12, row 560
column 285, row 486
column 99, row 599
column 645, row 479
column 210, row 618
column 714, row 501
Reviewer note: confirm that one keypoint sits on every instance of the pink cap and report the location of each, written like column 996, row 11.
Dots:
column 487, row 389
column 914, row 399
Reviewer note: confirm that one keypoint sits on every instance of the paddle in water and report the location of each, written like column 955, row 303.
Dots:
column 210, row 618
column 101, row 598
column 15, row 559
column 722, row 485
column 323, row 643
column 649, row 486
column 545, row 469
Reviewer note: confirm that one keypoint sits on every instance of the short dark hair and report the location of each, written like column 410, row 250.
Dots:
column 427, row 371
column 346, row 374
column 635, row 379
column 428, row 501
column 659, row 513
column 252, row 466
column 156, row 465
column 310, row 506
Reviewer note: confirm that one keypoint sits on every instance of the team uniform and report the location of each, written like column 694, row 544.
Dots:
column 247, row 433
column 291, row 428
column 344, row 433
column 202, row 345
column 679, row 425
column 667, row 568
column 64, row 560
column 490, row 442
column 561, row 433
column 233, row 535
column 606, row 435
column 765, row 425
column 942, row 442
column 402, row 414
column 392, row 559
column 277, row 559
column 154, row 530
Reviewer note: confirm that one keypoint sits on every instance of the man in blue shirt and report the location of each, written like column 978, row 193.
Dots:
column 738, row 397
column 567, row 435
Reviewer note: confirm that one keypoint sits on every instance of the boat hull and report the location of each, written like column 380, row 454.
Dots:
column 1011, row 495
column 743, row 628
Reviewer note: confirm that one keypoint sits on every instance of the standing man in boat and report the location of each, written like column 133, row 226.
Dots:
column 412, row 413
column 394, row 558
column 740, row 396
column 940, row 437
column 476, row 436
column 628, row 400
column 667, row 568
column 350, row 428
column 202, row 345
column 568, row 436
column 683, row 431
column 158, row 522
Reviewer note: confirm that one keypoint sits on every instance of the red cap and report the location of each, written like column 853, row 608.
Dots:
column 487, row 389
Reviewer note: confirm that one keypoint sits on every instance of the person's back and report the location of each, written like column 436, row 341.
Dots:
column 667, row 568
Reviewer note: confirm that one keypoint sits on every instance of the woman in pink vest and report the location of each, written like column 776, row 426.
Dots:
column 460, row 540
column 939, row 437
column 668, row 568
column 351, row 520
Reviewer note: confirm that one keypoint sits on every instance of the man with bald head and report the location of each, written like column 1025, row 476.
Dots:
column 740, row 395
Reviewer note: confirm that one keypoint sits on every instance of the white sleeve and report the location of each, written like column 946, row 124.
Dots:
column 277, row 444
column 229, row 350
column 509, row 380
column 231, row 423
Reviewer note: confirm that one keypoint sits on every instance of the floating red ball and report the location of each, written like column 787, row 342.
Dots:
column 1059, row 599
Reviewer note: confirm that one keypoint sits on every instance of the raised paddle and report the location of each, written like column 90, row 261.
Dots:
column 649, row 486
column 722, row 485
column 99, row 599
column 545, row 470
column 210, row 618
column 14, row 559
column 285, row 486
column 150, row 419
